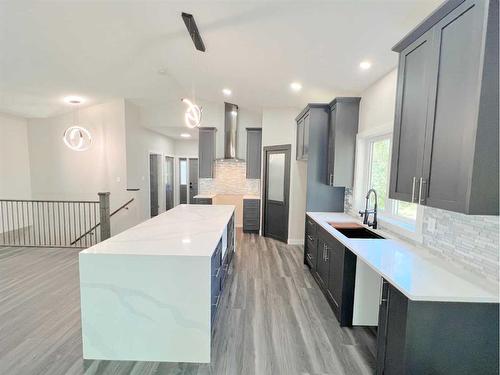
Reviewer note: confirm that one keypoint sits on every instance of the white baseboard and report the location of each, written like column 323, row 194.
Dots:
column 295, row 241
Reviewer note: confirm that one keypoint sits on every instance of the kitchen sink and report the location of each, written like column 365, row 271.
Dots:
column 359, row 233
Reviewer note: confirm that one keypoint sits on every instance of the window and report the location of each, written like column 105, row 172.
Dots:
column 183, row 171
column 379, row 163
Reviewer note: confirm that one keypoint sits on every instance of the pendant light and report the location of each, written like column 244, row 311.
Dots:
column 192, row 116
column 76, row 137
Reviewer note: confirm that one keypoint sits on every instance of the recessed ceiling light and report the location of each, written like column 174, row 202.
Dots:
column 296, row 86
column 73, row 99
column 185, row 135
column 227, row 92
column 365, row 65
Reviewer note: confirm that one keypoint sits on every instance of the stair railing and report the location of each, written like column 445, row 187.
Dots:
column 53, row 223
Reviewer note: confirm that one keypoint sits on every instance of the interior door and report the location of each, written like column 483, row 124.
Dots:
column 277, row 189
column 154, row 163
column 183, row 179
column 169, row 182
column 193, row 179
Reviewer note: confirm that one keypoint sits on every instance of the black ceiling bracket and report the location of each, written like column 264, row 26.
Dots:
column 193, row 31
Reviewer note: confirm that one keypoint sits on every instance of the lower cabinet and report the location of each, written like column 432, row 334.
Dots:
column 334, row 269
column 310, row 244
column 220, row 269
column 202, row 201
column 251, row 215
column 427, row 337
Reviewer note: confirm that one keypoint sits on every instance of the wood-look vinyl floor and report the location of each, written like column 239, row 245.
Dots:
column 273, row 319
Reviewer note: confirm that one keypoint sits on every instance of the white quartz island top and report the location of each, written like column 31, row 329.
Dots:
column 417, row 273
column 187, row 230
column 146, row 293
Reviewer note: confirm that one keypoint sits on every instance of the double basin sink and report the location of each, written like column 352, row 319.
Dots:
column 354, row 230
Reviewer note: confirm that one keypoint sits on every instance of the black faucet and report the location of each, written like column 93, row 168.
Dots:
column 366, row 213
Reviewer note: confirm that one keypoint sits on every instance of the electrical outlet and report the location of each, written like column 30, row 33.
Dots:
column 431, row 225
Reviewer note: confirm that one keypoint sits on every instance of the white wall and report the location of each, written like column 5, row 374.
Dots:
column 186, row 148
column 63, row 174
column 14, row 158
column 279, row 127
column 377, row 105
column 140, row 142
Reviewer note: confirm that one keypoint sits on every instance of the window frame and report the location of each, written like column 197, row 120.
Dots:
column 411, row 229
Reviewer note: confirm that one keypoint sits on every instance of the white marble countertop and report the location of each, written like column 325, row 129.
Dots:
column 205, row 196
column 185, row 230
column 416, row 272
column 251, row 196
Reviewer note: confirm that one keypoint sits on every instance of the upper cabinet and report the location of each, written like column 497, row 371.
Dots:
column 254, row 152
column 446, row 131
column 206, row 152
column 312, row 146
column 303, row 122
column 342, row 130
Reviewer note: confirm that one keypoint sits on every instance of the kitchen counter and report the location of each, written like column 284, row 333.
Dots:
column 251, row 196
column 415, row 272
column 205, row 196
column 150, row 293
column 187, row 230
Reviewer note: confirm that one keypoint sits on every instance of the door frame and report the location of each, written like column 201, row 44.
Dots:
column 287, row 148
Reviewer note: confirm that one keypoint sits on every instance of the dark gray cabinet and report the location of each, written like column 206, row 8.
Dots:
column 310, row 244
column 206, row 152
column 333, row 267
column 427, row 337
column 216, row 286
column 319, row 196
column 251, row 215
column 303, row 136
column 254, row 152
column 220, row 269
column 322, row 264
column 411, row 117
column 202, row 200
column 342, row 130
column 445, row 149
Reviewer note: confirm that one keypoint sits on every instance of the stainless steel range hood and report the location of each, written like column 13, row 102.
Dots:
column 230, row 131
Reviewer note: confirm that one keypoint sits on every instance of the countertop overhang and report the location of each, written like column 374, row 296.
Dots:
column 417, row 273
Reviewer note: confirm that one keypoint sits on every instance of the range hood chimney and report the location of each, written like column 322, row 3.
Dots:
column 230, row 130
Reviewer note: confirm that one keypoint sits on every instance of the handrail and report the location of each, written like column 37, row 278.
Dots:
column 95, row 226
column 45, row 201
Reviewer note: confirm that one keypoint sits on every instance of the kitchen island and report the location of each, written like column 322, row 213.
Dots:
column 151, row 292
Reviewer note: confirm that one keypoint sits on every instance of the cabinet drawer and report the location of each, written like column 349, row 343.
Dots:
column 216, row 259
column 310, row 227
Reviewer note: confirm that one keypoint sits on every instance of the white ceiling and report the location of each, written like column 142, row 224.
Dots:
column 109, row 49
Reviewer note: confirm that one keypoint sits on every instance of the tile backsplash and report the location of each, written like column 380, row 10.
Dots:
column 230, row 178
column 471, row 241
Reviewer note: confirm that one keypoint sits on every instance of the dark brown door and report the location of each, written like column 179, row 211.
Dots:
column 276, row 191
